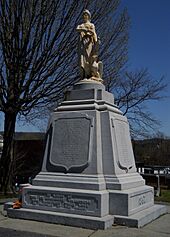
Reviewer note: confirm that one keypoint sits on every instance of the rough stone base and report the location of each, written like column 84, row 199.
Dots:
column 88, row 222
column 141, row 218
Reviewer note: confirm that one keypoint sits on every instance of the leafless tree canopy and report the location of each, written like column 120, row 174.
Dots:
column 38, row 48
column 132, row 92
column 38, row 45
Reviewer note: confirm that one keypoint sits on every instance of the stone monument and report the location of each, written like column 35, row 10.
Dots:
column 88, row 178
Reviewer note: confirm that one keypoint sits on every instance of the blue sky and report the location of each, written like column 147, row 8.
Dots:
column 149, row 46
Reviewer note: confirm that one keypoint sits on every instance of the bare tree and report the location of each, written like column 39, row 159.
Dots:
column 27, row 158
column 38, row 55
column 132, row 92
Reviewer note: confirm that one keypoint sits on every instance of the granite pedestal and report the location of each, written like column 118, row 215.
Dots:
column 88, row 177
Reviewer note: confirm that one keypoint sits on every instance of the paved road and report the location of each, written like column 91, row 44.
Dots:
column 15, row 233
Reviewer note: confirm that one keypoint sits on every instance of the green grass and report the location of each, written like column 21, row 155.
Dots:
column 165, row 196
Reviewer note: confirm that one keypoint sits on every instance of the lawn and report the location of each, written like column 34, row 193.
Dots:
column 165, row 196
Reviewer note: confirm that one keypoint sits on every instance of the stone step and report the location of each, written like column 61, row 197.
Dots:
column 141, row 218
column 137, row 220
column 88, row 222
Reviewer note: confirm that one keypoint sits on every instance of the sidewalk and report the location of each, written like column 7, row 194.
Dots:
column 15, row 227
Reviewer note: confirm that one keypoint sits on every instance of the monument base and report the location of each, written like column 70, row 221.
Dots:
column 142, row 218
column 65, row 200
column 89, row 222
column 92, row 209
column 88, row 178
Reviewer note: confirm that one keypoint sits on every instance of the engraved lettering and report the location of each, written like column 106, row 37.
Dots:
column 62, row 201
column 71, row 142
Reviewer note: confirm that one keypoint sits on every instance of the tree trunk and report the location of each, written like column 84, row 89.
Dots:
column 6, row 161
